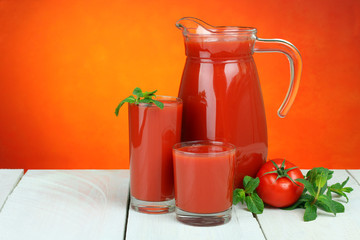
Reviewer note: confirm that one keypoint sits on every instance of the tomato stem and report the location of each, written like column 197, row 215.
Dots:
column 281, row 172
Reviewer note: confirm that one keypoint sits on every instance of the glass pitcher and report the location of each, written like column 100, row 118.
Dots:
column 221, row 92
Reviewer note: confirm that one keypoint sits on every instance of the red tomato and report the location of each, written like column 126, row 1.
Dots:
column 281, row 192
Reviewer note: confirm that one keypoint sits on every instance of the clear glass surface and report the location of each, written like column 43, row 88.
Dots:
column 152, row 133
column 221, row 91
column 204, row 178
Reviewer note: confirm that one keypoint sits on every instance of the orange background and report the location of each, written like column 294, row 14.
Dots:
column 65, row 66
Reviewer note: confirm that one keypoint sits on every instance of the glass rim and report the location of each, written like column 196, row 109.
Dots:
column 204, row 142
column 172, row 101
column 170, row 98
column 224, row 32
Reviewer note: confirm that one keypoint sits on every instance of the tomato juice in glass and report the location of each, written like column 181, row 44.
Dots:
column 222, row 98
column 152, row 133
column 204, row 178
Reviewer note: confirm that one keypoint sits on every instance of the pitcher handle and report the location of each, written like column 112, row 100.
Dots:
column 294, row 57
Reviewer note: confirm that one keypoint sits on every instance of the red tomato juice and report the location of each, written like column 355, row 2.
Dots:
column 152, row 133
column 222, row 100
column 204, row 177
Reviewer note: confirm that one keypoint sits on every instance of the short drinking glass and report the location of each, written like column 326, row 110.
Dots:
column 204, row 178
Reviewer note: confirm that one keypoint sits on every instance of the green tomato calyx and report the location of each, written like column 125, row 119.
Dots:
column 281, row 172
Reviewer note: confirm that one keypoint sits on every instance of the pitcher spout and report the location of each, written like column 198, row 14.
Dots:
column 191, row 25
column 194, row 26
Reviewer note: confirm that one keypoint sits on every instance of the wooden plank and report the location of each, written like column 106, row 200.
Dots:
column 67, row 204
column 165, row 226
column 281, row 224
column 8, row 180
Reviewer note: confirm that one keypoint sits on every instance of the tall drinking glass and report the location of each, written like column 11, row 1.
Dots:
column 152, row 133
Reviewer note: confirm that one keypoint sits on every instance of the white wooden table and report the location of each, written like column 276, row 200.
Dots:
column 93, row 204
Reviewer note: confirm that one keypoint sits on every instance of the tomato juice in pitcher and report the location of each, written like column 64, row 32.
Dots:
column 221, row 93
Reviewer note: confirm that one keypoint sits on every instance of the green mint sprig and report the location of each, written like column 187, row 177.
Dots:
column 141, row 97
column 317, row 194
column 340, row 189
column 249, row 195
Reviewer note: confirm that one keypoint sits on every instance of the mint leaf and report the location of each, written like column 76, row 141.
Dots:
column 310, row 212
column 309, row 187
column 337, row 207
column 345, row 182
column 242, row 196
column 129, row 99
column 246, row 180
column 316, row 184
column 330, row 174
column 336, row 186
column 252, row 185
column 254, row 203
column 145, row 100
column 340, row 189
column 238, row 196
column 301, row 202
column 330, row 205
column 323, row 189
column 347, row 189
column 137, row 92
column 313, row 173
column 149, row 100
column 249, row 196
column 321, row 179
column 324, row 200
column 149, row 94
column 159, row 104
column 140, row 98
column 340, row 193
